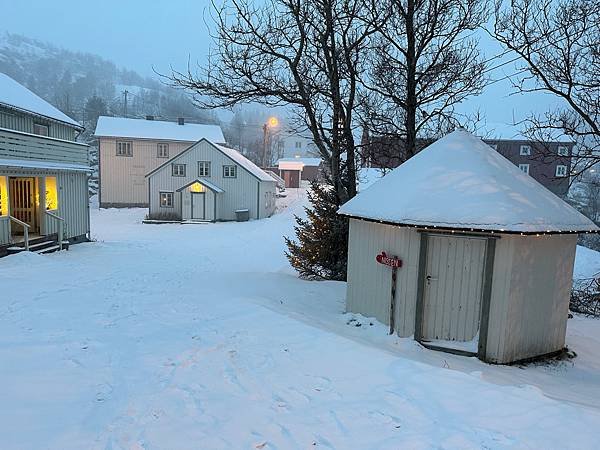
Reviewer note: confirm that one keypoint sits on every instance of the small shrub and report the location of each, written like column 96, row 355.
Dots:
column 171, row 216
column 585, row 297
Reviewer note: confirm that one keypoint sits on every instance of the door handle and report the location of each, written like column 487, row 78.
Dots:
column 430, row 278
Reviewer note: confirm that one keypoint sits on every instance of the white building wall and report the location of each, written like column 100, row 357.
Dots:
column 122, row 178
column 369, row 283
column 530, row 296
column 241, row 192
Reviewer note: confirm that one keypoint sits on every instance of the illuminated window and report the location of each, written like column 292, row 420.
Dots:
column 197, row 187
column 3, row 197
column 51, row 194
column 166, row 199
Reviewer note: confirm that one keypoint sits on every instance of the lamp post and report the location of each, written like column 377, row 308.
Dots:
column 271, row 123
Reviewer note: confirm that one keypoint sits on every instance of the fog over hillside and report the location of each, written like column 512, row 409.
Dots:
column 70, row 80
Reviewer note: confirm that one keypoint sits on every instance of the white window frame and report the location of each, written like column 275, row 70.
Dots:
column 205, row 166
column 178, row 170
column 162, row 150
column 230, row 171
column 525, row 150
column 40, row 126
column 561, row 171
column 524, row 168
column 165, row 199
column 124, row 148
column 563, row 150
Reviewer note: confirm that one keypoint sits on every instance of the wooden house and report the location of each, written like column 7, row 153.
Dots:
column 210, row 182
column 482, row 253
column 130, row 148
column 43, row 174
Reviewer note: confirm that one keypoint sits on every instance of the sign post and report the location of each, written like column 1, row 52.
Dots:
column 393, row 262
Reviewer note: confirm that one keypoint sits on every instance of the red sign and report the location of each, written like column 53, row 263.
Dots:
column 391, row 261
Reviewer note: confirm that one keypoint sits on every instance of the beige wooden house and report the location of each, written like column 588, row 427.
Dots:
column 487, row 253
column 43, row 174
column 130, row 148
column 210, row 182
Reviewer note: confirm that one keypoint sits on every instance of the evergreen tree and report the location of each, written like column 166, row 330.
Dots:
column 321, row 249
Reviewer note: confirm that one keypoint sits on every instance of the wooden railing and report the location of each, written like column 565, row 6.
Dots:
column 26, row 227
column 26, row 146
column 61, row 227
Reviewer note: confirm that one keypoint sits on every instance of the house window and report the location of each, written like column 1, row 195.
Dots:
column 204, row 168
column 3, row 197
column 178, row 170
column 524, row 168
column 561, row 171
column 124, row 148
column 40, row 129
column 51, row 194
column 298, row 144
column 229, row 171
column 525, row 150
column 166, row 199
column 563, row 151
column 162, row 150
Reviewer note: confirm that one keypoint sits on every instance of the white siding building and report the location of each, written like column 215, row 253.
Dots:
column 487, row 253
column 43, row 174
column 210, row 182
column 130, row 148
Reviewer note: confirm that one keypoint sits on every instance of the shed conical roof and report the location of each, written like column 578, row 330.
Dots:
column 459, row 182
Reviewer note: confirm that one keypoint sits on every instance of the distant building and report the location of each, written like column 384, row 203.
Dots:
column 297, row 145
column 131, row 148
column 43, row 174
column 549, row 163
column 210, row 182
column 293, row 170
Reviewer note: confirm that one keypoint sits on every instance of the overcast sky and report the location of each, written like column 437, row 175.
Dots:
column 141, row 34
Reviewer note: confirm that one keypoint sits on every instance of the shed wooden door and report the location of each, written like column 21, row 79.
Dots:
column 198, row 205
column 453, row 287
column 22, row 202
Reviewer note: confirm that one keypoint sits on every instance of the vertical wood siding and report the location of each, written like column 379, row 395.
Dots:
column 4, row 230
column 240, row 192
column 122, row 178
column 369, row 283
column 452, row 299
column 530, row 296
column 18, row 121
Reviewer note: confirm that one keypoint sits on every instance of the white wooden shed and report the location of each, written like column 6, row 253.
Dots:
column 487, row 253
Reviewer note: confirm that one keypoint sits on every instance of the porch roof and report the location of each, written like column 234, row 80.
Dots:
column 204, row 182
column 44, row 165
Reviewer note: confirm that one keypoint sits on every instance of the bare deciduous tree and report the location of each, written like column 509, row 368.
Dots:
column 558, row 43
column 306, row 54
column 424, row 62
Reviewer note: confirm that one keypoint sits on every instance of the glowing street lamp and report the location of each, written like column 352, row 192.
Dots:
column 272, row 122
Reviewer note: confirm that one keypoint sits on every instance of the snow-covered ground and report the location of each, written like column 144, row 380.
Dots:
column 202, row 337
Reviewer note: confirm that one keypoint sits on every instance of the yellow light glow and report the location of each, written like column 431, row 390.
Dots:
column 273, row 121
column 197, row 187
column 51, row 194
column 3, row 197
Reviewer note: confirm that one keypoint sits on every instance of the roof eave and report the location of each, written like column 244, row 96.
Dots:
column 75, row 126
column 450, row 229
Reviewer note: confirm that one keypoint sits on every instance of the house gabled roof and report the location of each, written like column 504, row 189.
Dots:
column 122, row 127
column 16, row 96
column 459, row 182
column 204, row 182
column 232, row 154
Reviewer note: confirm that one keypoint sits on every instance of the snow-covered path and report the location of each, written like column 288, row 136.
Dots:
column 201, row 337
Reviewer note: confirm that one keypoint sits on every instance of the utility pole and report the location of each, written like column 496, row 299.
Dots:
column 125, row 93
column 264, row 155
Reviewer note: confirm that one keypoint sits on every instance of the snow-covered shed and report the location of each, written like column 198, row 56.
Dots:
column 210, row 182
column 486, row 253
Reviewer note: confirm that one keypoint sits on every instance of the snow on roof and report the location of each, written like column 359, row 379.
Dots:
column 366, row 176
column 157, row 129
column 460, row 182
column 304, row 161
column 33, row 164
column 18, row 96
column 245, row 163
